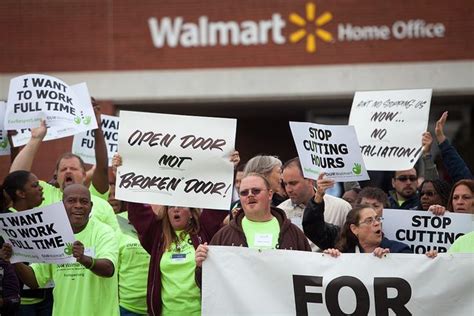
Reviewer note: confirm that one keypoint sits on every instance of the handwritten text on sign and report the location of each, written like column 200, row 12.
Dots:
column 176, row 159
column 423, row 231
column 389, row 126
column 329, row 148
column 39, row 235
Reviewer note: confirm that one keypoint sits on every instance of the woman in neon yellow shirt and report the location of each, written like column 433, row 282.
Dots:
column 171, row 240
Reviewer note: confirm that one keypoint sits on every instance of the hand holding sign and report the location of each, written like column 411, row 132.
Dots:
column 6, row 252
column 322, row 185
column 39, row 132
column 78, row 251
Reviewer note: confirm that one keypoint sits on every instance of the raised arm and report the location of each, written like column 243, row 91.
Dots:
column 24, row 159
column 456, row 166
column 430, row 171
column 145, row 222
column 13, row 150
column 100, row 176
column 322, row 234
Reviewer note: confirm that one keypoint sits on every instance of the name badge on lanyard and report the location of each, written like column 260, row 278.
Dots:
column 263, row 240
column 178, row 257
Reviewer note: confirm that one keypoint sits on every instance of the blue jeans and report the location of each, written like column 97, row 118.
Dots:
column 126, row 312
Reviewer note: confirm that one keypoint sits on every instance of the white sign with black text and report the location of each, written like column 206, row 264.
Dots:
column 423, row 231
column 83, row 143
column 41, row 234
column 389, row 125
column 331, row 149
column 243, row 281
column 176, row 160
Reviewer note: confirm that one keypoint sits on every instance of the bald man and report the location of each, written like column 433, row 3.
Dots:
column 89, row 286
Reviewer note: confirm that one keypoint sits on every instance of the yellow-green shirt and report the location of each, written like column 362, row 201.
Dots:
column 78, row 291
column 464, row 244
column 133, row 268
column 261, row 235
column 179, row 292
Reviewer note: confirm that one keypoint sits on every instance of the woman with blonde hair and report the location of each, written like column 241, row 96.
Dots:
column 171, row 239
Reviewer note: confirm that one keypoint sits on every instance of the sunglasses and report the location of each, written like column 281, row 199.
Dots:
column 253, row 191
column 405, row 178
column 427, row 193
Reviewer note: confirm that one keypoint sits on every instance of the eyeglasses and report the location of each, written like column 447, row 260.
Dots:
column 371, row 220
column 253, row 191
column 405, row 178
column 428, row 193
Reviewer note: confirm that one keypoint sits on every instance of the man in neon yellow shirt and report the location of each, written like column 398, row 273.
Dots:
column 89, row 286
column 70, row 169
column 259, row 225
column 133, row 265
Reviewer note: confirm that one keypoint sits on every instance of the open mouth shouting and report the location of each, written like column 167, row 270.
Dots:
column 68, row 179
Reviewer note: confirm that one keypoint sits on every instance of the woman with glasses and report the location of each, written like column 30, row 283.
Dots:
column 361, row 233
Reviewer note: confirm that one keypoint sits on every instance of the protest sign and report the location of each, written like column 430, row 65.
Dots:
column 34, row 97
column 282, row 282
column 83, row 143
column 39, row 235
column 55, row 132
column 4, row 143
column 329, row 148
column 423, row 231
column 175, row 160
column 126, row 227
column 389, row 126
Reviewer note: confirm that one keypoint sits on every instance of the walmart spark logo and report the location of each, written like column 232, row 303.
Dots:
column 306, row 29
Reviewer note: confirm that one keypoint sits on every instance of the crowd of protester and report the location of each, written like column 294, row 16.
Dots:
column 139, row 259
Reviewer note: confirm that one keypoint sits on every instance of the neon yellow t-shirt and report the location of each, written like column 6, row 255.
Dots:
column 101, row 208
column 179, row 292
column 133, row 269
column 78, row 291
column 103, row 196
column 464, row 244
column 261, row 235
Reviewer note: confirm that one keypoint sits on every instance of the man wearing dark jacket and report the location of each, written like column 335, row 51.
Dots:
column 258, row 225
column 405, row 196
